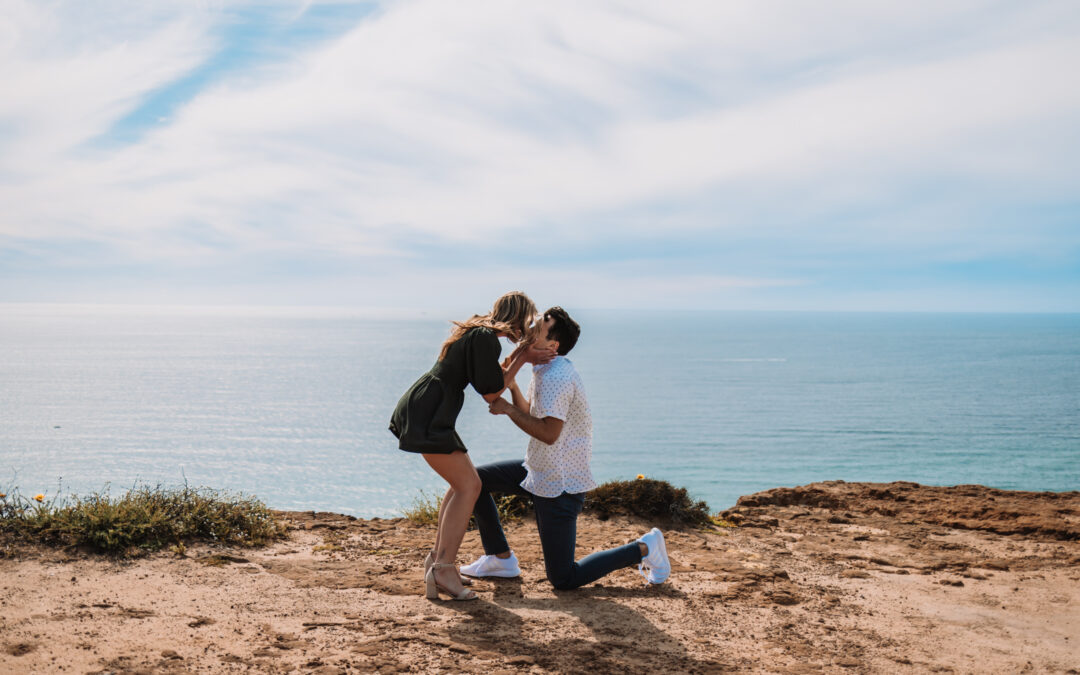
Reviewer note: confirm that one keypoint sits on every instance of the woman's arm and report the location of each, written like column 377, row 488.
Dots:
column 520, row 402
column 510, row 368
column 522, row 354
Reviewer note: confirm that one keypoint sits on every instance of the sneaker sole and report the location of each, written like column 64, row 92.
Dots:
column 664, row 555
column 501, row 575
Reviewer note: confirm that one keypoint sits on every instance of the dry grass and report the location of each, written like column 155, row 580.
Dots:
column 143, row 518
column 425, row 508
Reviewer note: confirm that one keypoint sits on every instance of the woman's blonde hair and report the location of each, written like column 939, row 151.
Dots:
column 513, row 313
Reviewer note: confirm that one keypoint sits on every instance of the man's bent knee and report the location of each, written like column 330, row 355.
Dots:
column 562, row 581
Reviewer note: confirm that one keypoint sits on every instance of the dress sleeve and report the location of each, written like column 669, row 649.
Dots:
column 482, row 362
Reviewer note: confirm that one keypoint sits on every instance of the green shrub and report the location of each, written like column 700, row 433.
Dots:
column 647, row 498
column 144, row 517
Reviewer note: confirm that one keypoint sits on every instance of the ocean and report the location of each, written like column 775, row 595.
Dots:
column 292, row 405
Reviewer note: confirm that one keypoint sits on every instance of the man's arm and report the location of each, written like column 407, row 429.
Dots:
column 545, row 430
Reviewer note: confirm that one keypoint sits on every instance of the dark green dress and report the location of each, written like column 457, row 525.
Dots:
column 424, row 418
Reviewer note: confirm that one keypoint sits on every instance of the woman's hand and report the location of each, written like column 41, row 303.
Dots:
column 522, row 354
column 500, row 406
column 539, row 355
column 517, row 354
column 528, row 352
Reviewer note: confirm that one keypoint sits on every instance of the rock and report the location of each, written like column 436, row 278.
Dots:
column 1044, row 515
column 784, row 598
column 763, row 522
column 291, row 644
column 19, row 648
column 522, row 660
column 800, row 496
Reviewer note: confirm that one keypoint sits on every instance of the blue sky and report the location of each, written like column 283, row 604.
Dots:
column 424, row 154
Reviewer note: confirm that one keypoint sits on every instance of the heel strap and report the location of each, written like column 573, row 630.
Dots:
column 442, row 565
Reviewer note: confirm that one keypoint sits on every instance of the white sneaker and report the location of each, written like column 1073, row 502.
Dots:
column 655, row 567
column 493, row 566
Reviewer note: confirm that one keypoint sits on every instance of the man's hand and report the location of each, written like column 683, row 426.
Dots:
column 500, row 406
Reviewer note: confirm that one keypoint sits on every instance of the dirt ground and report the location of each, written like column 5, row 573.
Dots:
column 827, row 578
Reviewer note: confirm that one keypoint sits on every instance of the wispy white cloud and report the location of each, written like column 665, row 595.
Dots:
column 63, row 91
column 806, row 136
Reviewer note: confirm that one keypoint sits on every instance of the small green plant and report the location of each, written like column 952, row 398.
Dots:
column 512, row 506
column 716, row 520
column 142, row 518
column 424, row 510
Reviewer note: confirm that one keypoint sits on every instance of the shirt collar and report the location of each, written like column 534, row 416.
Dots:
column 541, row 367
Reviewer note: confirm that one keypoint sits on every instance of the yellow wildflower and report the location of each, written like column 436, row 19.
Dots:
column 641, row 476
column 39, row 498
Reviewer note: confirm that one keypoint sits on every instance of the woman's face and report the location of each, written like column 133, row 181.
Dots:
column 529, row 329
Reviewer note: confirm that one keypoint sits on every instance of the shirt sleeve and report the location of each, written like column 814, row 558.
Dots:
column 554, row 392
column 482, row 362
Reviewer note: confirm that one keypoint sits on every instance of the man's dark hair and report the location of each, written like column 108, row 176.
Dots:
column 565, row 329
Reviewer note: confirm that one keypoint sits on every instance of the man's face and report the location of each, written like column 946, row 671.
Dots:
column 542, row 340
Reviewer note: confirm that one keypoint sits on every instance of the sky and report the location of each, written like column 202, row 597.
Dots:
column 424, row 155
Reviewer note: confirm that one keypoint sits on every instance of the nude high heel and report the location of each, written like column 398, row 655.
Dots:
column 465, row 581
column 432, row 587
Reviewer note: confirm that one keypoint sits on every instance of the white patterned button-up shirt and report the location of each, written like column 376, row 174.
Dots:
column 556, row 391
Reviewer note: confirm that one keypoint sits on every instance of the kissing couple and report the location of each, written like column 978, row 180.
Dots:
column 555, row 473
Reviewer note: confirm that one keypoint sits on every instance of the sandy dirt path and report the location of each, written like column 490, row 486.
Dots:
column 828, row 578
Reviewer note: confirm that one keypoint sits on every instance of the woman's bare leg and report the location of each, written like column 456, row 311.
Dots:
column 442, row 512
column 457, row 470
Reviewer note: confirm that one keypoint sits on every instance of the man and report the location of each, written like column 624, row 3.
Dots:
column 555, row 474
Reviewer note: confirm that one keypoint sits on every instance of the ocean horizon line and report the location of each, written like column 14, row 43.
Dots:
column 426, row 313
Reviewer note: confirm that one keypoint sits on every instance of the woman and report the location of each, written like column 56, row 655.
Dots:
column 424, row 420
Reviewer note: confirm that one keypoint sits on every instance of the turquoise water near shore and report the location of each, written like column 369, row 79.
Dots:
column 292, row 404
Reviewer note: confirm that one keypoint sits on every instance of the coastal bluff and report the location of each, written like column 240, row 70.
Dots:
column 831, row 577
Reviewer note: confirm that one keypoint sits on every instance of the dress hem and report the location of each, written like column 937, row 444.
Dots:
column 435, row 452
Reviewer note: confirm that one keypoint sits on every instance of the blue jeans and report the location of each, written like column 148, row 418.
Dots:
column 556, row 519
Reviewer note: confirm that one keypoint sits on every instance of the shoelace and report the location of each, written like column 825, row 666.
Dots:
column 480, row 564
column 641, row 568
